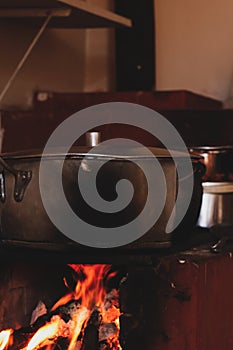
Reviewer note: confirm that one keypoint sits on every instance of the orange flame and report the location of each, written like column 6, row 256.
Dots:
column 79, row 321
column 44, row 333
column 5, row 338
column 91, row 290
column 89, row 287
column 64, row 300
column 90, row 294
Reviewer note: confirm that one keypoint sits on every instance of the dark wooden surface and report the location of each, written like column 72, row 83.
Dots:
column 199, row 120
column 183, row 302
column 186, row 304
column 159, row 100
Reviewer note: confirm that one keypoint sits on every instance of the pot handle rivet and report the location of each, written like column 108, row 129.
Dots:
column 22, row 179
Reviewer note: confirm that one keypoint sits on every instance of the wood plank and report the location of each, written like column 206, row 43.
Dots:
column 97, row 11
column 83, row 15
column 33, row 12
column 158, row 100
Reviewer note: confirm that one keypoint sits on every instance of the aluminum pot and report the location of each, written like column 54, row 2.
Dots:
column 217, row 205
column 24, row 219
column 218, row 161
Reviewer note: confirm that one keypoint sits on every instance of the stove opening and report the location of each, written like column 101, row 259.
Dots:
column 76, row 308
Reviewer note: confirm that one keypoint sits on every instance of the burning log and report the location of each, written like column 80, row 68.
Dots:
column 74, row 322
column 40, row 310
column 66, row 312
column 5, row 337
column 62, row 344
column 91, row 333
column 104, row 346
column 58, row 326
column 63, row 324
column 107, row 330
column 19, row 340
column 108, row 337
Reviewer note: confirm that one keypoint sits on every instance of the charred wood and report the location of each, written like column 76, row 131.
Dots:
column 91, row 333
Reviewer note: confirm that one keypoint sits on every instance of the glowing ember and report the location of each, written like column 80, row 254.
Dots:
column 85, row 318
column 5, row 338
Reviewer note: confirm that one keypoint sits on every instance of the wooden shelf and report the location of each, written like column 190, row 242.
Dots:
column 179, row 100
column 76, row 14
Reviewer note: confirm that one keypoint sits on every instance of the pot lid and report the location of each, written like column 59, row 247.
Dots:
column 212, row 149
column 120, row 152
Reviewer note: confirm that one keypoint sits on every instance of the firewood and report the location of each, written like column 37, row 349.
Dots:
column 107, row 330
column 104, row 345
column 20, row 340
column 91, row 333
column 65, row 313
column 39, row 311
column 99, row 333
column 68, row 311
column 61, row 344
column 112, row 299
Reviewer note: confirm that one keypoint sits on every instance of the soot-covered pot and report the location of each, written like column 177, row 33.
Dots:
column 24, row 218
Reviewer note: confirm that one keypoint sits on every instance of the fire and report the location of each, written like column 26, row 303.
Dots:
column 5, row 338
column 43, row 334
column 80, row 319
column 73, row 318
column 90, row 288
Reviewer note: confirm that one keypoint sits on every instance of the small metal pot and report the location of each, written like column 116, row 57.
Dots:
column 217, row 205
column 218, row 161
column 24, row 219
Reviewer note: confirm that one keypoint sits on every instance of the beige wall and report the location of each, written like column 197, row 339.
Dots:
column 63, row 61
column 194, row 46
column 100, row 55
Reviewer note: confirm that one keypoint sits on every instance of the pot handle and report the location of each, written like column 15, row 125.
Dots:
column 22, row 179
column 200, row 168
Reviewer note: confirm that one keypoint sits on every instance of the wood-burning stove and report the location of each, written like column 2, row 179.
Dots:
column 31, row 274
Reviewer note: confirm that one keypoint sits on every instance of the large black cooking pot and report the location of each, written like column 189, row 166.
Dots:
column 24, row 219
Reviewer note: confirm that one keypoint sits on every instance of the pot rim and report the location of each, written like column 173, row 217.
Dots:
column 217, row 187
column 82, row 151
column 212, row 149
